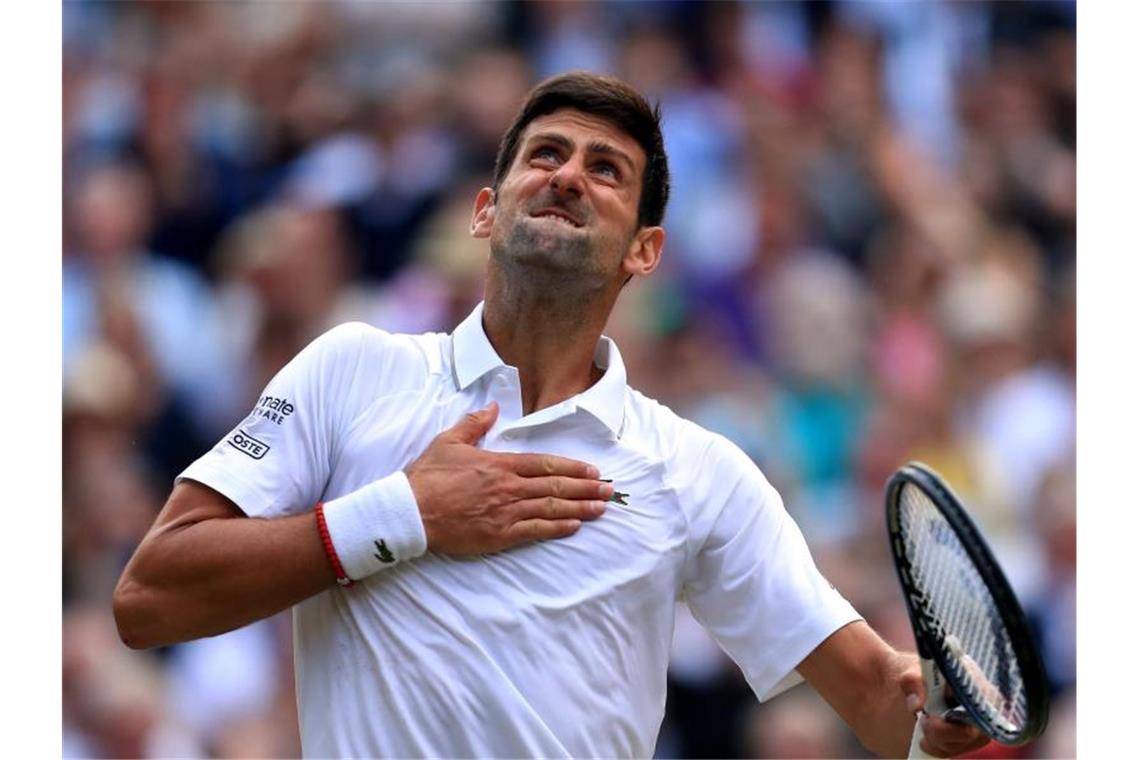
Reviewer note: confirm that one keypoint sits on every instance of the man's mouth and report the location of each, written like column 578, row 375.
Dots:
column 558, row 215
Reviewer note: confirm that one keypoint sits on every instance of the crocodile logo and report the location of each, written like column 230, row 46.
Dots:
column 383, row 553
column 617, row 497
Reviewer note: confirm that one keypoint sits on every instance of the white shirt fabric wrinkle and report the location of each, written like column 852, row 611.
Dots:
column 552, row 649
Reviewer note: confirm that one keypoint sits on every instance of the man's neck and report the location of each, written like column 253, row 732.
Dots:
column 549, row 337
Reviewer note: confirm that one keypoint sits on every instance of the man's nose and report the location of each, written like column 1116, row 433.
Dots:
column 568, row 180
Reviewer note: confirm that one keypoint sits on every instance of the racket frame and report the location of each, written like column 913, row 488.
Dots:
column 930, row 646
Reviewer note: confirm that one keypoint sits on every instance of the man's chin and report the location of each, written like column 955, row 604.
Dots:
column 552, row 260
column 564, row 249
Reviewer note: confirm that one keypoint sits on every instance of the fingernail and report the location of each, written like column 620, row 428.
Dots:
column 606, row 489
column 597, row 507
column 592, row 472
column 913, row 702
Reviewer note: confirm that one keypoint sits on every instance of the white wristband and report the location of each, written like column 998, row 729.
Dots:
column 376, row 526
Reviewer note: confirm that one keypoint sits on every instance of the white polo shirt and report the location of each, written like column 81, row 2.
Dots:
column 553, row 649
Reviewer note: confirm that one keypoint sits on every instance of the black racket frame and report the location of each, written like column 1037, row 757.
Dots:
column 1009, row 609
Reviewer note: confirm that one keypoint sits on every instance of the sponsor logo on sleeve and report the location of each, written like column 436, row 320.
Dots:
column 273, row 408
column 247, row 444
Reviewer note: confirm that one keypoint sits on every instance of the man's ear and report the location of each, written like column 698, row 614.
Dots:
column 644, row 252
column 484, row 214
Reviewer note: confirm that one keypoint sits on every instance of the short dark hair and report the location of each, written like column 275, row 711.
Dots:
column 613, row 100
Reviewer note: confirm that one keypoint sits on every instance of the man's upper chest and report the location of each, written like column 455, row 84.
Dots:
column 639, row 542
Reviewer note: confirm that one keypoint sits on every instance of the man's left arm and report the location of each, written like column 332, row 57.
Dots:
column 877, row 691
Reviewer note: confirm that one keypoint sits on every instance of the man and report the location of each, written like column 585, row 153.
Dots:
column 458, row 593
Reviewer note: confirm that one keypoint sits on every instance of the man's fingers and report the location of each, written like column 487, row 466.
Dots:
column 538, row 529
column 550, row 508
column 538, row 465
column 471, row 427
column 913, row 687
column 563, row 487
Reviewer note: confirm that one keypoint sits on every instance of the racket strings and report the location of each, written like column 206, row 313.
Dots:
column 962, row 612
column 966, row 625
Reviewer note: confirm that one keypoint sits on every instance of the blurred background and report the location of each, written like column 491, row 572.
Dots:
column 870, row 259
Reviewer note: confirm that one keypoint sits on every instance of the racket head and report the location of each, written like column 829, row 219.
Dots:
column 960, row 603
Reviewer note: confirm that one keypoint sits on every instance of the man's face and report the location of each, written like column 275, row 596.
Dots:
column 569, row 201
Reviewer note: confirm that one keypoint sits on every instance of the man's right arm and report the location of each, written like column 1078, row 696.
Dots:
column 205, row 568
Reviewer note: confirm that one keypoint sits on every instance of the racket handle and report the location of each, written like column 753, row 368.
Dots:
column 935, row 705
column 916, row 752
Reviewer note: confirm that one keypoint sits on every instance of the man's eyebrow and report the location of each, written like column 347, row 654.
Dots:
column 597, row 146
column 552, row 137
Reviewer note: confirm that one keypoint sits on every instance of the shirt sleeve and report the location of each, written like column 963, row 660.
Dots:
column 277, row 460
column 752, row 582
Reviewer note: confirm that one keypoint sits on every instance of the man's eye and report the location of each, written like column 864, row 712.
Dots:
column 545, row 154
column 607, row 169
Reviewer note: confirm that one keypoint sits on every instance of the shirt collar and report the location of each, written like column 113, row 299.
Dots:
column 474, row 356
column 472, row 352
column 605, row 399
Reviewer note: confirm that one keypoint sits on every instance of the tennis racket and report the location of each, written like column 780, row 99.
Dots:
column 968, row 625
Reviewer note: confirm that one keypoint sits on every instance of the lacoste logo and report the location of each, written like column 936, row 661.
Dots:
column 247, row 444
column 617, row 497
column 382, row 552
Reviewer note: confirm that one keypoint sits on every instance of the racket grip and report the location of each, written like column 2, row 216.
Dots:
column 935, row 705
column 935, row 687
column 916, row 752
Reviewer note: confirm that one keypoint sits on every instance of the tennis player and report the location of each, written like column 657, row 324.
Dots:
column 484, row 534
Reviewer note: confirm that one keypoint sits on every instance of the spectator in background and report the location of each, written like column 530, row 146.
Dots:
column 113, row 702
column 153, row 311
column 713, row 219
column 110, row 489
column 838, row 180
column 487, row 89
column 1052, row 607
column 1020, row 410
column 800, row 725
column 817, row 317
column 393, row 174
column 114, row 288
column 1016, row 161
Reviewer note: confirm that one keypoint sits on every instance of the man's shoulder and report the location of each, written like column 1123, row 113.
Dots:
column 705, row 468
column 375, row 348
column 674, row 437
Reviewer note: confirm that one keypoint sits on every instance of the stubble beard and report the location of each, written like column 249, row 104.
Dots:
column 537, row 252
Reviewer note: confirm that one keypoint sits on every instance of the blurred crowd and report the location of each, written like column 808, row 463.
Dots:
column 870, row 259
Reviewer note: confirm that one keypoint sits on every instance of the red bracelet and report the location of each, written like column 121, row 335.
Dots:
column 330, row 552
